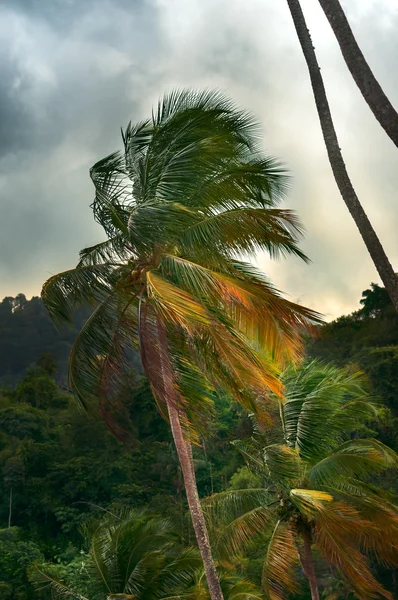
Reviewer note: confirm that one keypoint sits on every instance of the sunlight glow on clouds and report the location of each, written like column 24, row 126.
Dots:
column 73, row 72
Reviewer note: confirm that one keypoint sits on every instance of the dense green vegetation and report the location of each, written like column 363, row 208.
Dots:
column 180, row 349
column 65, row 468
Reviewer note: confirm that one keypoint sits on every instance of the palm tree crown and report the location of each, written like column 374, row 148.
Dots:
column 316, row 488
column 190, row 193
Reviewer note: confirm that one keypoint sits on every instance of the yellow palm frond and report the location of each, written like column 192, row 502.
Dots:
column 174, row 304
column 310, row 502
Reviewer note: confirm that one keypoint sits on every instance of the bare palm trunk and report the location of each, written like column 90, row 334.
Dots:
column 367, row 83
column 307, row 563
column 344, row 184
column 184, row 452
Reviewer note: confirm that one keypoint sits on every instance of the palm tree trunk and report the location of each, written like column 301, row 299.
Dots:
column 184, row 452
column 343, row 181
column 368, row 85
column 307, row 563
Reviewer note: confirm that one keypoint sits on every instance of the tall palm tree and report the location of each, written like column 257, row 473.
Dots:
column 363, row 75
column 316, row 492
column 136, row 556
column 190, row 192
column 369, row 236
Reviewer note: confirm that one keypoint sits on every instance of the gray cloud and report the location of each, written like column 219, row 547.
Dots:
column 73, row 72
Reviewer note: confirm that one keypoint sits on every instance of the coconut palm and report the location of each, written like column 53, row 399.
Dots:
column 137, row 556
column 132, row 555
column 316, row 493
column 347, row 191
column 190, row 192
column 363, row 75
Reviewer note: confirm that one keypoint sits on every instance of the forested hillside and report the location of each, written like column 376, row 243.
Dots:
column 61, row 468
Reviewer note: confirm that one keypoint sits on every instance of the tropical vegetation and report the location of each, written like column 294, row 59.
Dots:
column 189, row 193
column 316, row 492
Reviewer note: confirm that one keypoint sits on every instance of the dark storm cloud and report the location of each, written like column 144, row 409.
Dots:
column 72, row 72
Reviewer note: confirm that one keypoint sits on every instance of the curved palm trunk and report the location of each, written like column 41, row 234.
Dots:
column 343, row 181
column 367, row 83
column 198, row 520
column 307, row 563
column 184, row 452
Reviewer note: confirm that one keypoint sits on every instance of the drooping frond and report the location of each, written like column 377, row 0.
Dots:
column 358, row 458
column 85, row 285
column 174, row 304
column 279, row 578
column 225, row 506
column 240, row 532
column 252, row 305
column 232, row 585
column 46, row 577
column 101, row 357
column 336, row 532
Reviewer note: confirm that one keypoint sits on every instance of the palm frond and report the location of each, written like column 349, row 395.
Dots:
column 113, row 199
column 245, row 230
column 89, row 285
column 279, row 578
column 319, row 407
column 102, row 355
column 45, row 576
column 113, row 250
column 283, row 464
column 175, row 305
column 334, row 536
column 358, row 458
column 225, row 506
column 310, row 502
column 240, row 532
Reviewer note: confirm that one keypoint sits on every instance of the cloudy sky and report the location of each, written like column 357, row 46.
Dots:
column 73, row 71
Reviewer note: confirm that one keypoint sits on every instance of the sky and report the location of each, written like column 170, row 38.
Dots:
column 72, row 72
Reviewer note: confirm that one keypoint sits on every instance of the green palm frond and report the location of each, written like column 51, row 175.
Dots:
column 46, row 577
column 283, row 463
column 113, row 250
column 85, row 285
column 318, row 407
column 113, row 200
column 279, row 578
column 226, row 506
column 354, row 459
column 101, row 356
column 245, row 230
column 240, row 532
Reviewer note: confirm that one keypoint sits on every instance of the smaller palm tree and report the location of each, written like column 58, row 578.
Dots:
column 316, row 492
column 138, row 556
column 132, row 555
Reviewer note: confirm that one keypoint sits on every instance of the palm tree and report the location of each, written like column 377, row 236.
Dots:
column 316, row 492
column 369, row 236
column 363, row 76
column 136, row 556
column 132, row 555
column 189, row 194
